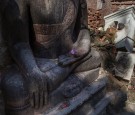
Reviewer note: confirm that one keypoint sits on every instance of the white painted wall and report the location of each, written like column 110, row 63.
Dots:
column 126, row 16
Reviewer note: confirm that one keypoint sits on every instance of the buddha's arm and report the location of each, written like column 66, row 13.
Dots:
column 82, row 45
column 83, row 20
column 81, row 27
column 15, row 31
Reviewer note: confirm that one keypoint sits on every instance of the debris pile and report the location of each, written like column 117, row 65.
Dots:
column 105, row 37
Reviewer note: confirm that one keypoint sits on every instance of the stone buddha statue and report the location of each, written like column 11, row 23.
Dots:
column 49, row 42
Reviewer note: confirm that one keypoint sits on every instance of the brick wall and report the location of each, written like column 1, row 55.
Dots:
column 118, row 4
column 92, row 3
column 95, row 18
column 109, row 6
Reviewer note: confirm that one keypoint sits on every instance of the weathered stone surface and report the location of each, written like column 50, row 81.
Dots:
column 124, row 65
column 127, row 17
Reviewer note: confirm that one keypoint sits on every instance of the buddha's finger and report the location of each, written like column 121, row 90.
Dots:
column 45, row 101
column 32, row 99
column 36, row 100
column 41, row 99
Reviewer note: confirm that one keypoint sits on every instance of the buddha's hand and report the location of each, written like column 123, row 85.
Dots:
column 83, row 44
column 38, row 89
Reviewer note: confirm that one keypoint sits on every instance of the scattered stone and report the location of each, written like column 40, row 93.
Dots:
column 124, row 65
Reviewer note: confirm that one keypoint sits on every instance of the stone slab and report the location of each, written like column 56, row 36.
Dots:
column 125, row 65
column 5, row 58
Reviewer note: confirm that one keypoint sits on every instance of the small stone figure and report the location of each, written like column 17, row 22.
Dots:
column 38, row 33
